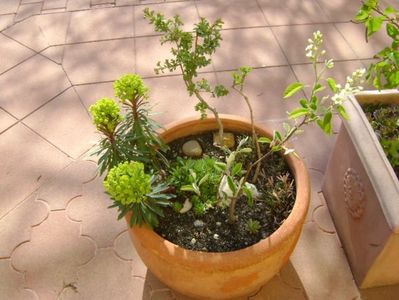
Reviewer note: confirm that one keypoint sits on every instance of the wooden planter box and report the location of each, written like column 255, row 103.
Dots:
column 362, row 193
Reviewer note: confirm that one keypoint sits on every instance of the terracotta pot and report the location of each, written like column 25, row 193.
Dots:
column 225, row 275
column 362, row 193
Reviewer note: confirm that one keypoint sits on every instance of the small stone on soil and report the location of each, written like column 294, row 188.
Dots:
column 228, row 139
column 199, row 223
column 192, row 148
column 193, row 241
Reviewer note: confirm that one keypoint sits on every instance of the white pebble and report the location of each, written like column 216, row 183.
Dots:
column 216, row 236
column 199, row 223
column 218, row 223
column 193, row 241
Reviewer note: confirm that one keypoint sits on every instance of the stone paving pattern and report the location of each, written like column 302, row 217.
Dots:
column 58, row 240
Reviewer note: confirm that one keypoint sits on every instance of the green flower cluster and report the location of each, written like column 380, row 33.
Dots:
column 106, row 114
column 130, row 87
column 127, row 183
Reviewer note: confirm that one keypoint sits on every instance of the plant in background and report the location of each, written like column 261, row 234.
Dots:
column 191, row 51
column 383, row 74
column 135, row 191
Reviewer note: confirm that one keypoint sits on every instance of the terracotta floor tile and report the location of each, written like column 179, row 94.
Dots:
column 124, row 249
column 29, row 162
column 68, row 184
column 78, row 4
column 27, row 10
column 12, row 52
column 149, row 52
column 322, row 217
column 16, row 227
column 6, row 21
column 293, row 40
column 43, row 80
column 55, row 53
column 99, row 2
column 53, row 4
column 39, row 32
column 65, row 123
column 12, row 283
column 98, row 221
column 340, row 10
column 316, row 157
column 292, row 12
column 186, row 10
column 90, row 93
column 170, row 98
column 354, row 35
column 51, row 259
column 277, row 289
column 322, row 266
column 9, row 7
column 126, row 2
column 105, row 271
column 94, row 25
column 265, row 89
column 235, row 13
column 99, row 61
column 259, row 45
column 6, row 120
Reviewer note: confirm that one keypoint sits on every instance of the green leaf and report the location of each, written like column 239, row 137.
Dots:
column 296, row 113
column 187, row 188
column 318, row 88
column 332, row 84
column 341, row 110
column 203, row 179
column 277, row 135
column 327, row 123
column 392, row 30
column 231, row 184
column 304, row 102
column 264, row 140
column 373, row 25
column 236, row 169
column 362, row 16
column 292, row 89
column 389, row 10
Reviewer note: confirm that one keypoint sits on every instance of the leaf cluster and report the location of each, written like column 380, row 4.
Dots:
column 197, row 180
column 131, row 137
column 384, row 73
column 135, row 191
column 191, row 51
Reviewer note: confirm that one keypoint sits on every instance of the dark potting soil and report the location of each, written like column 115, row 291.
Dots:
column 384, row 118
column 211, row 231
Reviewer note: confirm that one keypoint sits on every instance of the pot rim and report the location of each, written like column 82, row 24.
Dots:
column 249, row 255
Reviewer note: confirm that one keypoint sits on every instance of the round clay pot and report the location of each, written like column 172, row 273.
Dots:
column 227, row 275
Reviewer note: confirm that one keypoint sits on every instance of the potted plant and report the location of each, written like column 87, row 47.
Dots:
column 361, row 184
column 215, row 205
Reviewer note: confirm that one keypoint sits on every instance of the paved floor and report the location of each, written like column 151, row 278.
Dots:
column 58, row 240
